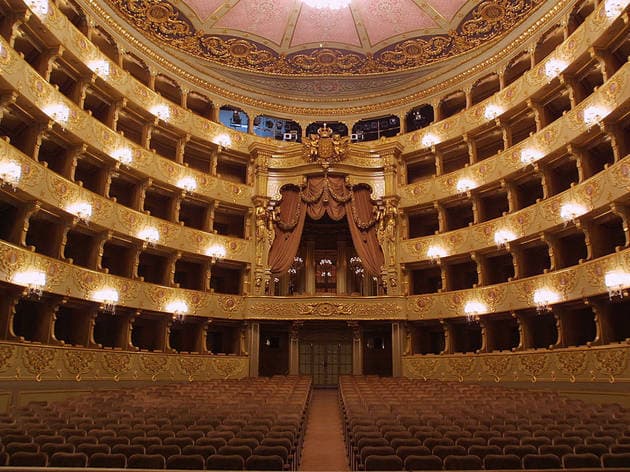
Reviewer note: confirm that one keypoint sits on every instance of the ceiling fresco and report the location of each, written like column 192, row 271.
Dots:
column 289, row 38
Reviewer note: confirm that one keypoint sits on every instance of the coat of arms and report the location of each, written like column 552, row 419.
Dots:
column 325, row 147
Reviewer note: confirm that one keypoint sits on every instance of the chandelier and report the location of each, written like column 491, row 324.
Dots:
column 327, row 4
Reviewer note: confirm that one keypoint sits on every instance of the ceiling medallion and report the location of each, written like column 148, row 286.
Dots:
column 327, row 4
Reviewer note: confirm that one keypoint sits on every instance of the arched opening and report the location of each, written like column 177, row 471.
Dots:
column 277, row 128
column 419, row 117
column 233, row 117
column 376, row 128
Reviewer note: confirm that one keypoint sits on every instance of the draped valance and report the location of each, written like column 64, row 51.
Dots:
column 332, row 196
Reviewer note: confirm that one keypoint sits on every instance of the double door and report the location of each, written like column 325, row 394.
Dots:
column 325, row 361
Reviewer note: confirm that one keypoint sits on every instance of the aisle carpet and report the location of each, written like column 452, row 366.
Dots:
column 324, row 448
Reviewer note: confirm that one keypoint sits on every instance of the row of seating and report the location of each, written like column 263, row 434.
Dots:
column 234, row 424
column 407, row 424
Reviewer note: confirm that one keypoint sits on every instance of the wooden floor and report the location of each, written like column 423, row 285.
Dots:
column 324, row 447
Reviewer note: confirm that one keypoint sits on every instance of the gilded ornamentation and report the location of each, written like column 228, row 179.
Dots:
column 612, row 362
column 533, row 364
column 79, row 362
column 153, row 364
column 230, row 304
column 497, row 366
column 39, row 360
column 190, row 365
column 325, row 309
column 6, row 353
column 116, row 363
column 422, row 367
column 461, row 366
column 572, row 362
column 164, row 22
column 325, row 147
column 227, row 368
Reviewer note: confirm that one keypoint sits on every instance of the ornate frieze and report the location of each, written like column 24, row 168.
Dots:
column 594, row 364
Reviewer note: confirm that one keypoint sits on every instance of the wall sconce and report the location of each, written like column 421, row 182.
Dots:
column 123, row 155
column 108, row 298
column 544, row 298
column 553, row 67
column 223, row 140
column 179, row 309
column 614, row 8
column 430, row 139
column 150, row 235
column 465, row 185
column 570, row 211
column 188, row 183
column 296, row 266
column 163, row 112
column 33, row 280
column 436, row 253
column 216, row 252
column 58, row 112
column 39, row 7
column 356, row 266
column 593, row 115
column 10, row 173
column 503, row 237
column 82, row 210
column 100, row 67
column 473, row 309
column 531, row 155
column 492, row 111
column 616, row 281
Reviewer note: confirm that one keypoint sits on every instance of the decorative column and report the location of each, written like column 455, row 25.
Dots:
column 357, row 348
column 310, row 267
column 253, row 329
column 398, row 334
column 342, row 267
column 294, row 347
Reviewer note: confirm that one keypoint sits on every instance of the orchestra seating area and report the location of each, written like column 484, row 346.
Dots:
column 253, row 424
column 407, row 424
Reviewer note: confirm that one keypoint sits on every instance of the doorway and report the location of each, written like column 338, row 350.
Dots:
column 325, row 353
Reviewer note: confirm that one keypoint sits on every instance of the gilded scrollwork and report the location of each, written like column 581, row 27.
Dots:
column 229, row 368
column 39, row 360
column 116, row 363
column 165, row 22
column 153, row 364
column 79, row 362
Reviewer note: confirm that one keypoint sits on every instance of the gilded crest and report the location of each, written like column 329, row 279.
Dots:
column 325, row 147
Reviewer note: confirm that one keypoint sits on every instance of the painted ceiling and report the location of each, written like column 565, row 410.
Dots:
column 289, row 38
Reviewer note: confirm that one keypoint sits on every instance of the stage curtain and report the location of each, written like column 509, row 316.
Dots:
column 288, row 228
column 361, row 220
column 326, row 195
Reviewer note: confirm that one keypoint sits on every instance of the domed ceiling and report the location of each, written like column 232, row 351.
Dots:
column 290, row 38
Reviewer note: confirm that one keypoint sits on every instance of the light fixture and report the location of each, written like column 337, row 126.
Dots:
column 614, row 8
column 616, row 281
column 492, row 111
column 58, row 112
column 163, row 112
column 544, row 298
column 223, row 140
column 327, row 4
column 436, row 253
column 188, row 183
column 465, row 184
column 149, row 234
column 33, row 280
column 474, row 308
column 531, row 155
column 124, row 155
column 100, row 67
column 553, row 67
column 356, row 266
column 10, row 173
column 296, row 265
column 216, row 252
column 430, row 139
column 108, row 298
column 39, row 7
column 82, row 210
column 593, row 115
column 502, row 237
column 570, row 211
column 179, row 309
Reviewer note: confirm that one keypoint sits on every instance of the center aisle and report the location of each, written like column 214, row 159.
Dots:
column 324, row 448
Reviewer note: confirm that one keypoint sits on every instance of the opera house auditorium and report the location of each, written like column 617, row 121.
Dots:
column 304, row 235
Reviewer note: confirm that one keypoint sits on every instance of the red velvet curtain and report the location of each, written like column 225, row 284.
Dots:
column 326, row 195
